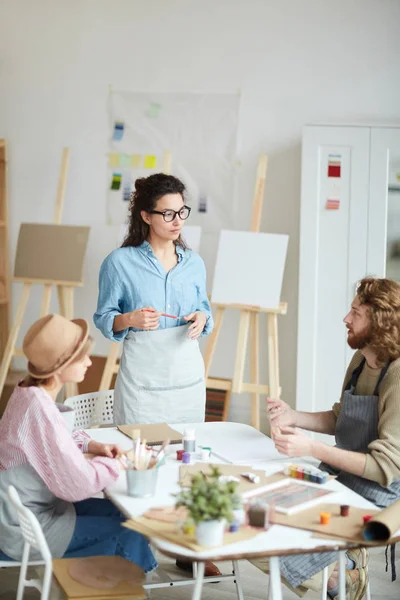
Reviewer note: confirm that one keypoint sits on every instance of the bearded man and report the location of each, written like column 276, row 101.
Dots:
column 365, row 423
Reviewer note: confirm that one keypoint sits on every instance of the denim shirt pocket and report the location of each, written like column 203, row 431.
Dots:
column 187, row 299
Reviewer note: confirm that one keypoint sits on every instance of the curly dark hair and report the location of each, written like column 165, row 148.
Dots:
column 147, row 191
column 382, row 298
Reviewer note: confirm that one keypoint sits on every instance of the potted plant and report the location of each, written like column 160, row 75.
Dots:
column 210, row 502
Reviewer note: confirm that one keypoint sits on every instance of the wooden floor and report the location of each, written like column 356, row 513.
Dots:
column 254, row 584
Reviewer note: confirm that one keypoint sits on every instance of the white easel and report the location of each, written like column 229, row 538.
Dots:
column 249, row 322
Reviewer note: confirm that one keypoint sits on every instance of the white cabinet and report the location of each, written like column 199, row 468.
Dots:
column 346, row 172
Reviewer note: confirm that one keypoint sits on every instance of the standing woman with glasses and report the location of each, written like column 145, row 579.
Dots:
column 152, row 296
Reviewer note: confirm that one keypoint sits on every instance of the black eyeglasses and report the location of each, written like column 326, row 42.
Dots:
column 169, row 214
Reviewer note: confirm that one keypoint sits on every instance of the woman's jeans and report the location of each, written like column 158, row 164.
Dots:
column 98, row 532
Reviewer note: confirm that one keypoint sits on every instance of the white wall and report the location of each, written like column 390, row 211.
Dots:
column 296, row 62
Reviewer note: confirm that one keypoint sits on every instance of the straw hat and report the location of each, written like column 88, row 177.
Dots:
column 52, row 343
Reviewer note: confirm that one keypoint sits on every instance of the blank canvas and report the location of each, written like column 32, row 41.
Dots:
column 51, row 252
column 249, row 268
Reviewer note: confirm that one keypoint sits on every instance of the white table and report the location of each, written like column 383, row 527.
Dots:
column 238, row 443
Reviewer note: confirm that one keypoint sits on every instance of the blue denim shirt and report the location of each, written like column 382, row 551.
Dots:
column 133, row 277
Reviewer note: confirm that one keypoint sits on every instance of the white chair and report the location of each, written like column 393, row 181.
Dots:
column 33, row 536
column 92, row 410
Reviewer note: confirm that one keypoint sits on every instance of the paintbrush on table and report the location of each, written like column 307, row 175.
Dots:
column 157, row 458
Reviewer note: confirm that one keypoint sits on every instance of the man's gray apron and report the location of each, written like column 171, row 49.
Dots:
column 160, row 379
column 356, row 428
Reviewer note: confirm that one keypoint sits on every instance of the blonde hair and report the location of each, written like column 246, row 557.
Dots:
column 49, row 382
column 382, row 298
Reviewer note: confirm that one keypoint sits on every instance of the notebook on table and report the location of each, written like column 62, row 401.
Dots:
column 154, row 433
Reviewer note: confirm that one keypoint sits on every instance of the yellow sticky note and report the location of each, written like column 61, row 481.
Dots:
column 150, row 162
column 113, row 160
column 136, row 160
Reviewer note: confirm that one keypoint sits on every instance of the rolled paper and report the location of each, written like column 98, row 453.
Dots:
column 383, row 525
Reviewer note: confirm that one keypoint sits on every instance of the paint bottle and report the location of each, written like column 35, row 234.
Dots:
column 344, row 510
column 234, row 526
column 367, row 518
column 205, row 453
column 189, row 440
column 257, row 515
column 325, row 518
column 324, row 476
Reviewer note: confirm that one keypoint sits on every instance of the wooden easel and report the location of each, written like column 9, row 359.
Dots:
column 112, row 365
column 249, row 322
column 65, row 291
column 4, row 251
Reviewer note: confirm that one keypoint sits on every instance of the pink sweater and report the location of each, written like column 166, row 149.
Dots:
column 32, row 431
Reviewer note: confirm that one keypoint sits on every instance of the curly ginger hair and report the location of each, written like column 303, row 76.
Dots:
column 382, row 299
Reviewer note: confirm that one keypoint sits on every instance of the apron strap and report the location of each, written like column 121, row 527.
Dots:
column 357, row 372
column 392, row 560
column 381, row 376
column 355, row 375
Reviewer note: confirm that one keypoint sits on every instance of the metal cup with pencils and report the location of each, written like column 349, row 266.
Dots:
column 142, row 465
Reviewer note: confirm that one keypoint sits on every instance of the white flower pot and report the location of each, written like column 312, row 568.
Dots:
column 210, row 533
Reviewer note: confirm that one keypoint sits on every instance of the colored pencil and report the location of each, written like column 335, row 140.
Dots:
column 162, row 314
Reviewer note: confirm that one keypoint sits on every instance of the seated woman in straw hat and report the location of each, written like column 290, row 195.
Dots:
column 45, row 463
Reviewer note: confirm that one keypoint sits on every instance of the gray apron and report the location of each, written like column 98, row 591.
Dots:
column 160, row 379
column 356, row 428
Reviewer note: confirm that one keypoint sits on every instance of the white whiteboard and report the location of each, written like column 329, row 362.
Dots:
column 249, row 268
column 190, row 233
column 200, row 131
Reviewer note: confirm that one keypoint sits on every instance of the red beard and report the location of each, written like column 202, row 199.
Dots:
column 358, row 341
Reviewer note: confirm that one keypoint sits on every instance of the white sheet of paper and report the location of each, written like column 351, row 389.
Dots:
column 249, row 268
